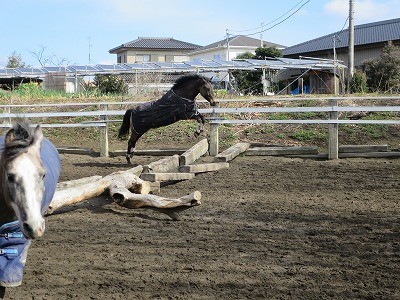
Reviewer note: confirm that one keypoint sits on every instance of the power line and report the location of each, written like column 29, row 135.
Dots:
column 280, row 21
column 262, row 24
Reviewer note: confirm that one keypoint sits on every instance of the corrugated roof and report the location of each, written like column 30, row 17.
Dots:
column 156, row 43
column 370, row 33
column 240, row 41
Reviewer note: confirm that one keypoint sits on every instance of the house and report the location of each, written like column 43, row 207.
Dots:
column 149, row 49
column 369, row 39
column 228, row 49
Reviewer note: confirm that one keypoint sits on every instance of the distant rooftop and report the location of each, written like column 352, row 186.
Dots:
column 370, row 33
column 240, row 41
column 155, row 43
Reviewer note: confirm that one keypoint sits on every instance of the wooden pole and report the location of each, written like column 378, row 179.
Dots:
column 104, row 151
column 333, row 132
column 214, row 134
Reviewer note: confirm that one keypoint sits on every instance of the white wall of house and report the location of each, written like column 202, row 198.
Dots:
column 220, row 53
column 131, row 56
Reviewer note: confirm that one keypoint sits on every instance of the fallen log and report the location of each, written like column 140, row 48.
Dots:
column 170, row 207
column 166, row 176
column 201, row 168
column 79, row 193
column 131, row 200
column 77, row 182
column 232, row 152
column 167, row 164
column 276, row 151
column 194, row 153
column 127, row 190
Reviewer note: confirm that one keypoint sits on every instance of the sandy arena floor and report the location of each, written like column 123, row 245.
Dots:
column 268, row 228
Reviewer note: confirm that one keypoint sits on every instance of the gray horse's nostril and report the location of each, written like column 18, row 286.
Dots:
column 28, row 228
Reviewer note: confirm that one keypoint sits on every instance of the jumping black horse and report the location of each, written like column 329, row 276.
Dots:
column 177, row 104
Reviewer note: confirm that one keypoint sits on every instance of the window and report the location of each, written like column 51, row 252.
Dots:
column 143, row 58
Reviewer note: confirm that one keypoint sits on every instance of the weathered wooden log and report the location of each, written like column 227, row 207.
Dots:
column 271, row 151
column 194, row 153
column 363, row 148
column 77, row 182
column 128, row 181
column 77, row 194
column 232, row 152
column 130, row 200
column 201, row 168
column 166, row 164
column 127, row 190
column 166, row 176
column 149, row 152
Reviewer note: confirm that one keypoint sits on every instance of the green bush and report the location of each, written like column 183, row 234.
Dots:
column 383, row 75
column 110, row 84
column 359, row 82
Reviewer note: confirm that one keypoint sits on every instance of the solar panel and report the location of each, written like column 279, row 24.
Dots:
column 189, row 66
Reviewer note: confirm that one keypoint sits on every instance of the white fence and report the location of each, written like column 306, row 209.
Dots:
column 100, row 116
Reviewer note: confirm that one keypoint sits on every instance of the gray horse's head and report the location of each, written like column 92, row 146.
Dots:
column 23, row 177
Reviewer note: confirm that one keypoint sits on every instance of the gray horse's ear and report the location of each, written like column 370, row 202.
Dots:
column 10, row 136
column 38, row 135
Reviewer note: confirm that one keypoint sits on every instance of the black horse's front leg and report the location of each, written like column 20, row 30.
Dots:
column 131, row 146
column 200, row 124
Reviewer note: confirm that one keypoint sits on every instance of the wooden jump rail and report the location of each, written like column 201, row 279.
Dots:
column 100, row 116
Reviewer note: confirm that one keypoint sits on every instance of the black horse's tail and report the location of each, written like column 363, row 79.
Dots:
column 126, row 124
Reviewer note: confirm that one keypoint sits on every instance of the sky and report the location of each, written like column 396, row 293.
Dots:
column 81, row 32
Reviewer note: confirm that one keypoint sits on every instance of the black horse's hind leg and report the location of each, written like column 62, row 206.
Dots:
column 2, row 292
column 131, row 145
column 200, row 124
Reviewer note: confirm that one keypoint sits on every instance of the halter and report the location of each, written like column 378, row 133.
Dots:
column 183, row 98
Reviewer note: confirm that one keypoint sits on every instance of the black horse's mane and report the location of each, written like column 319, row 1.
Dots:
column 23, row 137
column 180, row 81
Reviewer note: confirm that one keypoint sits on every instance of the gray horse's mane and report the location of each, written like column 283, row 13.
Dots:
column 23, row 136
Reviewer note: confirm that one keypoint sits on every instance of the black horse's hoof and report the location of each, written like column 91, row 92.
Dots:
column 128, row 160
column 196, row 134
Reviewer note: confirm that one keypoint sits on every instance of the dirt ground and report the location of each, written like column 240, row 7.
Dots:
column 268, row 228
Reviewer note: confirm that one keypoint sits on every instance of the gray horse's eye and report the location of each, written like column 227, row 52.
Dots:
column 10, row 177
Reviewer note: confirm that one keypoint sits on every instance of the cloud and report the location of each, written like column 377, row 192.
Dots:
column 364, row 10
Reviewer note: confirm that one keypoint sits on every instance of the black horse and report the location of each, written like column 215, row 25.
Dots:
column 177, row 104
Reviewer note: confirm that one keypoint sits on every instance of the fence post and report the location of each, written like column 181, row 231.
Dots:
column 214, row 135
column 104, row 152
column 333, row 132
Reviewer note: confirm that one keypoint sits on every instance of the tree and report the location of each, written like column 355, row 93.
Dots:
column 46, row 59
column 384, row 74
column 249, row 82
column 245, row 55
column 263, row 52
column 110, row 84
column 15, row 61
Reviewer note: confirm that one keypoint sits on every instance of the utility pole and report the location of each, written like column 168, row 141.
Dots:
column 351, row 43
column 227, row 45
column 90, row 46
column 261, row 34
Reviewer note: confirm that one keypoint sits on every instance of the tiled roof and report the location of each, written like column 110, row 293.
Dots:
column 240, row 41
column 156, row 43
column 370, row 33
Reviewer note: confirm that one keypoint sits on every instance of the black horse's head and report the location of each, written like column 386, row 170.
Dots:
column 190, row 86
column 206, row 90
